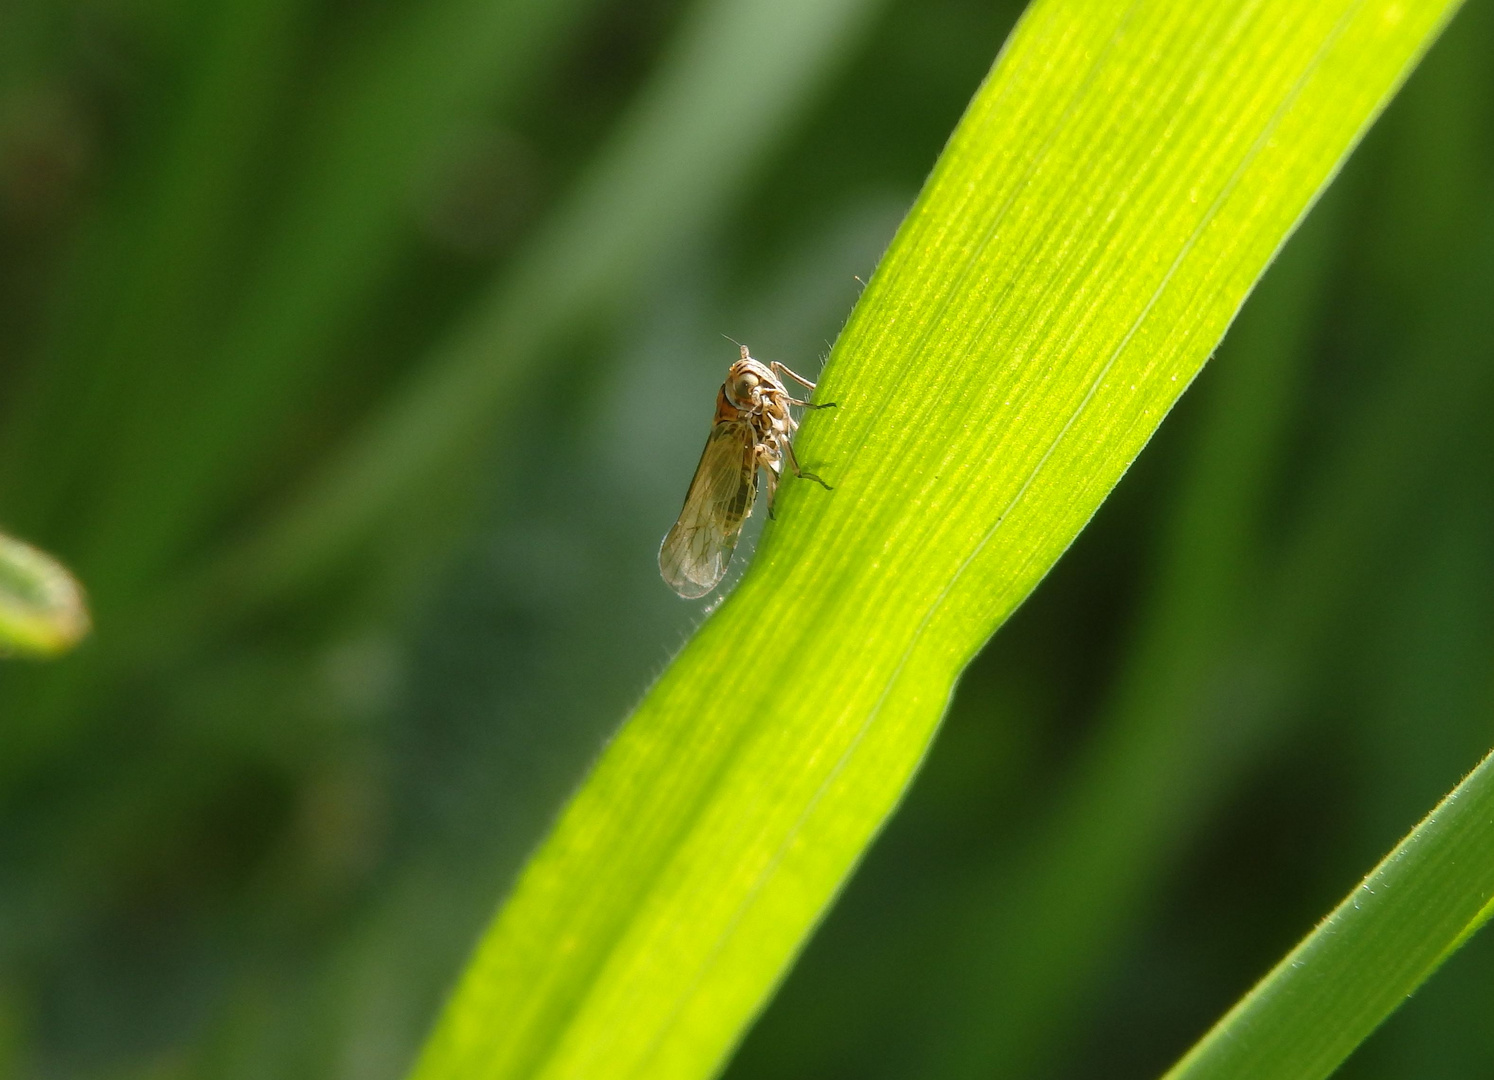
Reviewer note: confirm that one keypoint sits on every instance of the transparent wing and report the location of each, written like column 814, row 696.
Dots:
column 694, row 555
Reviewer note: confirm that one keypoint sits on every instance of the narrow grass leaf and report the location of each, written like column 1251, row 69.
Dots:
column 1414, row 910
column 1115, row 189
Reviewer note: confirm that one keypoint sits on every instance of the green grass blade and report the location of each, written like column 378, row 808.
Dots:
column 1034, row 935
column 1116, row 188
column 42, row 610
column 1414, row 910
column 1233, row 645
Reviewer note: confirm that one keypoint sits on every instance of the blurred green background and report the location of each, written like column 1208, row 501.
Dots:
column 252, row 827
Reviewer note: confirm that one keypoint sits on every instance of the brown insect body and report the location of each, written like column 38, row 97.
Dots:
column 753, row 429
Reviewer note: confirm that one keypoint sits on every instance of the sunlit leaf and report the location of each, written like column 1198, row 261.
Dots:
column 1114, row 191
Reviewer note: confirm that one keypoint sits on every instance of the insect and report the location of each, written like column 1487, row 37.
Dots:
column 752, row 430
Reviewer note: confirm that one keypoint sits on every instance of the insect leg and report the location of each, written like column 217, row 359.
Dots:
column 803, row 474
column 811, row 405
column 784, row 369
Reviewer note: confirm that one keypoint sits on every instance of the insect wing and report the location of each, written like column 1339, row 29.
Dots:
column 694, row 556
